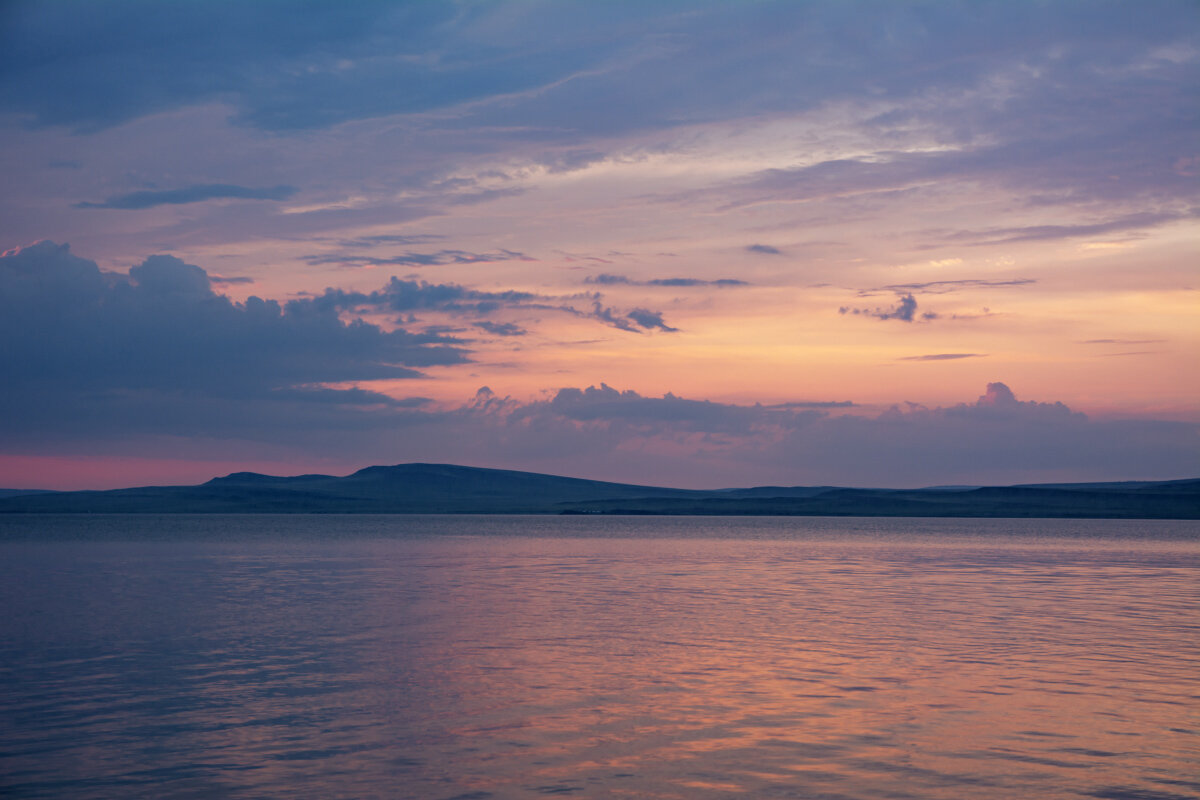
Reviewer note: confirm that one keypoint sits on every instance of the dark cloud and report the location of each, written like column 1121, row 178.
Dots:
column 404, row 296
column 399, row 296
column 191, row 194
column 501, row 328
column 383, row 240
column 411, row 259
column 943, row 357
column 631, row 411
column 766, row 249
column 230, row 281
column 158, row 351
column 631, row 321
column 905, row 310
column 606, row 433
column 481, row 196
column 571, row 160
column 155, row 364
column 650, row 320
column 606, row 279
column 803, row 404
column 279, row 69
column 563, row 70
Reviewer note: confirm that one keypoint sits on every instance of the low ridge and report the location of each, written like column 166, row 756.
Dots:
column 449, row 488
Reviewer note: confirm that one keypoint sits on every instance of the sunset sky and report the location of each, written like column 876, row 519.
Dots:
column 697, row 244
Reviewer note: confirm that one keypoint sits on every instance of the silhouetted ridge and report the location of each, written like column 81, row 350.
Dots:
column 452, row 489
column 259, row 478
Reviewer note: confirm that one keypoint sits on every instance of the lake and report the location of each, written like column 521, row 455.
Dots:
column 624, row 657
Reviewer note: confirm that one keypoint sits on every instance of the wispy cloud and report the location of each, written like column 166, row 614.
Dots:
column 1029, row 233
column 385, row 239
column 407, row 296
column 605, row 279
column 943, row 356
column 197, row 193
column 412, row 259
column 1122, row 341
column 945, row 287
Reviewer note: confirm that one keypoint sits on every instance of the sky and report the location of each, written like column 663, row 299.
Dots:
column 698, row 244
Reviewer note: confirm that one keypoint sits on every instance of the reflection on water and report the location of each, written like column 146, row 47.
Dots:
column 515, row 657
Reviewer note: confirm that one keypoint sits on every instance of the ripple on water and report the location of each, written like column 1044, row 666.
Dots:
column 476, row 658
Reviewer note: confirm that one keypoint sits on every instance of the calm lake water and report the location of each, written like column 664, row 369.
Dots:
column 510, row 657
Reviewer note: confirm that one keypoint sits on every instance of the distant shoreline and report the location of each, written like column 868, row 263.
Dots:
column 452, row 489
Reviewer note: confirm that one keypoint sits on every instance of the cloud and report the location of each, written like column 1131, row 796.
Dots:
column 905, row 310
column 639, row 317
column 88, row 351
column 501, row 328
column 606, row 279
column 1123, row 341
column 404, row 296
column 943, row 357
column 411, row 259
column 155, row 364
column 384, row 239
column 945, row 287
column 191, row 194
column 650, row 320
column 765, row 249
column 603, row 432
column 279, row 70
column 631, row 413
column 1131, row 222
column 995, row 439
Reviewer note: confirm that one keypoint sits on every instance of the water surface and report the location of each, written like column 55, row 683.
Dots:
column 498, row 657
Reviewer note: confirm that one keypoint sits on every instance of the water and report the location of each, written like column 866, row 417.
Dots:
column 511, row 657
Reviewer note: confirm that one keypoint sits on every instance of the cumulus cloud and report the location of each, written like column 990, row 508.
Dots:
column 995, row 439
column 154, row 363
column 66, row 323
column 191, row 194
column 157, row 350
column 89, row 353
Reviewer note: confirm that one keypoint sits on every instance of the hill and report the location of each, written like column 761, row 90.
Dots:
column 450, row 489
